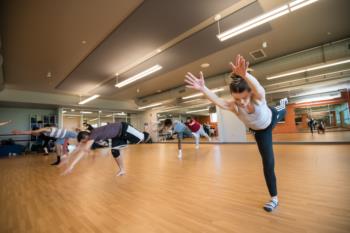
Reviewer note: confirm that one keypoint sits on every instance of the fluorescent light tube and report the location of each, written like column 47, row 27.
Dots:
column 295, row 5
column 264, row 18
column 139, row 76
column 199, row 110
column 83, row 112
column 309, row 69
column 200, row 94
column 319, row 98
column 257, row 21
column 150, row 106
column 89, row 99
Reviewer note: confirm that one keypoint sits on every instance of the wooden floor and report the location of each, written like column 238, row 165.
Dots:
column 339, row 136
column 219, row 188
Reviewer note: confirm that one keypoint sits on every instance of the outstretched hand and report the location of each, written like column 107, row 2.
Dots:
column 16, row 131
column 240, row 66
column 67, row 171
column 194, row 82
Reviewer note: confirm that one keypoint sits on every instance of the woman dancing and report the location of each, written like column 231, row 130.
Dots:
column 250, row 106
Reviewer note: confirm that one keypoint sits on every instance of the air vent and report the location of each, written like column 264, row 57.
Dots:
column 258, row 54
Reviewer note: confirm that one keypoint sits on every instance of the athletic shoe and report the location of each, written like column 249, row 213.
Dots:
column 271, row 205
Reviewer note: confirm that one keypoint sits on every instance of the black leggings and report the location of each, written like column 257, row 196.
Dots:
column 264, row 140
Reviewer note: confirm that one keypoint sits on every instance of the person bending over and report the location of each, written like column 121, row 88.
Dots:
column 61, row 136
column 197, row 130
column 121, row 133
column 249, row 105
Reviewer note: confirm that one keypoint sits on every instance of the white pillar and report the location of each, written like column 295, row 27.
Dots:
column 230, row 128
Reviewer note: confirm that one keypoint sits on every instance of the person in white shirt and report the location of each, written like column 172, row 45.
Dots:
column 249, row 105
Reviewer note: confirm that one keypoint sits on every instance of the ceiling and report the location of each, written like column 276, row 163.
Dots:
column 47, row 36
column 40, row 37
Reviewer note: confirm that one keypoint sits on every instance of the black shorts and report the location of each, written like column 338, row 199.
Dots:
column 128, row 134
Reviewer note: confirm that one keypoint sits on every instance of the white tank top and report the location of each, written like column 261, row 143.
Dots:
column 259, row 119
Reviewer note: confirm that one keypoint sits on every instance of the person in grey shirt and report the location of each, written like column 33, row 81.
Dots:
column 121, row 134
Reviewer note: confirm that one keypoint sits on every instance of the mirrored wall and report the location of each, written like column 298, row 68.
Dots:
column 79, row 118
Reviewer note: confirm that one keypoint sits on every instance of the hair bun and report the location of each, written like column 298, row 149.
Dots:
column 236, row 79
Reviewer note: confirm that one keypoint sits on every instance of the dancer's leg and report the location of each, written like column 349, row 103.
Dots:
column 196, row 136
column 203, row 133
column 264, row 141
column 59, row 149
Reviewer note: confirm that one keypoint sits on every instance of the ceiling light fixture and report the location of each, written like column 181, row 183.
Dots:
column 321, row 98
column 199, row 110
column 318, row 67
column 205, row 65
column 84, row 112
column 264, row 18
column 150, row 106
column 139, row 76
column 297, row 4
column 200, row 94
column 257, row 21
column 89, row 99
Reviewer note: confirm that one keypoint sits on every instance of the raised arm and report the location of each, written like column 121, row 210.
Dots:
column 80, row 152
column 199, row 85
column 33, row 132
column 240, row 68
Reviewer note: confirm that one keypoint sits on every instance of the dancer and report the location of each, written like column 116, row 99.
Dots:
column 61, row 136
column 321, row 128
column 311, row 125
column 120, row 132
column 180, row 129
column 47, row 141
column 5, row 122
column 249, row 105
column 197, row 130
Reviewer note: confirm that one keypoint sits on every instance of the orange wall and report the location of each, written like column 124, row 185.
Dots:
column 289, row 125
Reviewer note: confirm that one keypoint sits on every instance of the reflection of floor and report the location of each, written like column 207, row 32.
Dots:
column 218, row 188
column 340, row 136
column 327, row 137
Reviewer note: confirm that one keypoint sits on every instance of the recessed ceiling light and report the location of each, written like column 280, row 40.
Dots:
column 49, row 75
column 264, row 44
column 72, row 110
column 159, row 91
column 217, row 17
column 205, row 65
column 138, row 90
column 159, row 50
column 83, row 41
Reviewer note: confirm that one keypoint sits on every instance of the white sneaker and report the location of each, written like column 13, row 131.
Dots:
column 284, row 102
column 180, row 154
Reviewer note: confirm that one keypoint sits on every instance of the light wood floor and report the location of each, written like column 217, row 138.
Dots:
column 219, row 188
column 339, row 136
